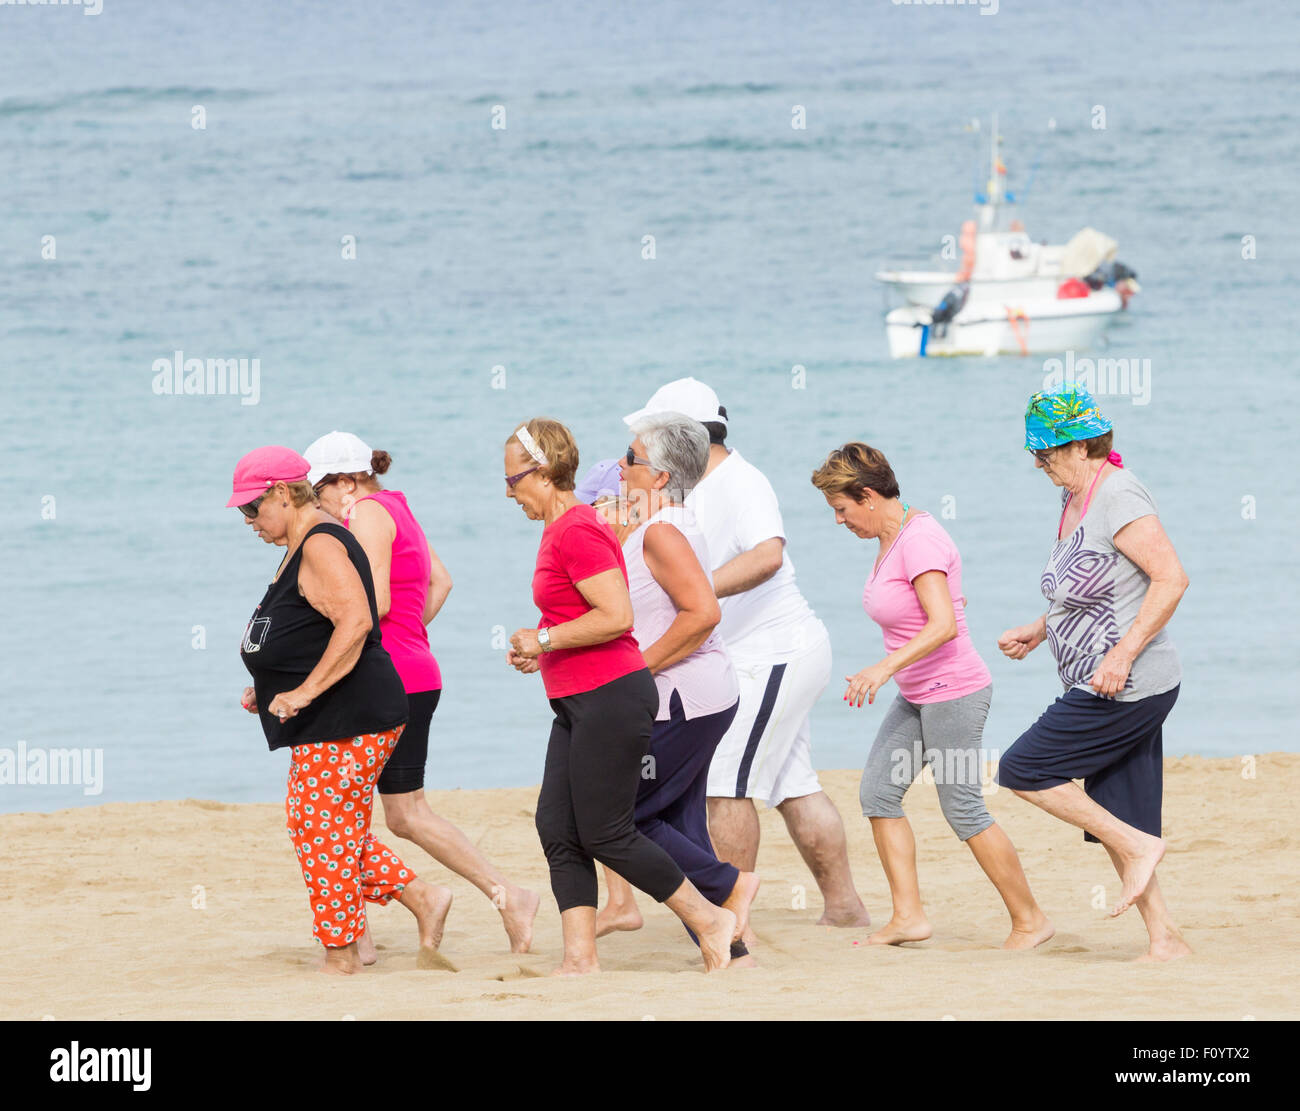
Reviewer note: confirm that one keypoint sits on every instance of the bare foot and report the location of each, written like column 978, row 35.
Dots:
column 715, row 942
column 747, row 961
column 574, row 967
column 1031, row 936
column 366, row 948
column 1166, row 949
column 1139, row 867
column 898, row 930
column 845, row 918
column 740, row 900
column 618, row 916
column 517, row 914
column 429, row 903
column 343, row 961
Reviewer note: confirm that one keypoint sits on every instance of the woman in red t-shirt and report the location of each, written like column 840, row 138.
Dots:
column 605, row 703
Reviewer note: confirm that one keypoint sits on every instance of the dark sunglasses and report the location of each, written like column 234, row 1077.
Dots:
column 633, row 459
column 251, row 509
column 513, row 480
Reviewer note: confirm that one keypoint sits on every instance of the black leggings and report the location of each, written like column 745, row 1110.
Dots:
column 588, row 798
column 404, row 771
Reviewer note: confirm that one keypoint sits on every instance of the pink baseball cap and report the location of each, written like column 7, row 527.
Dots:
column 262, row 468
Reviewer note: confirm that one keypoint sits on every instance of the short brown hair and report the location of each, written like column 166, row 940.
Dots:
column 1099, row 446
column 854, row 468
column 300, row 493
column 559, row 447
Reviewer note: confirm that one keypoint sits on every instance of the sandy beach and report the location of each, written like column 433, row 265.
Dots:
column 195, row 909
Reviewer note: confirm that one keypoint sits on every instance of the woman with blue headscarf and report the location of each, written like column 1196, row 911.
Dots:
column 1112, row 582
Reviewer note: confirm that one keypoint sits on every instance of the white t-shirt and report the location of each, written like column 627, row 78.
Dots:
column 736, row 509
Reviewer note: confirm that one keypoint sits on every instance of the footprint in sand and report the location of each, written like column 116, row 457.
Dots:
column 433, row 960
column 519, row 973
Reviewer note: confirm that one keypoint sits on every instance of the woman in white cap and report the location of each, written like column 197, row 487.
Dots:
column 411, row 585
column 325, row 688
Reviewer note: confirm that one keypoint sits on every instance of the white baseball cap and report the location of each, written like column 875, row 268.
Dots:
column 686, row 396
column 337, row 453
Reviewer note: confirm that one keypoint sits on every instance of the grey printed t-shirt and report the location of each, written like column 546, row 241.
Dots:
column 1095, row 592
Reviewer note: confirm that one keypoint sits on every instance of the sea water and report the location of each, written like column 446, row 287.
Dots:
column 317, row 195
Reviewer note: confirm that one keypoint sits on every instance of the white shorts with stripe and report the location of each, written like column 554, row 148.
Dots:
column 767, row 753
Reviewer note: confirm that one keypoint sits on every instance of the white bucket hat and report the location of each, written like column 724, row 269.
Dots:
column 686, row 396
column 337, row 453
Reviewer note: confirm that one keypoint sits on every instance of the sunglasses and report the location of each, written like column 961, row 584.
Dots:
column 633, row 459
column 1042, row 454
column 251, row 509
column 512, row 480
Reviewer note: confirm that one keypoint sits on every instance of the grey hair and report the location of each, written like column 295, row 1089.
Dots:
column 678, row 445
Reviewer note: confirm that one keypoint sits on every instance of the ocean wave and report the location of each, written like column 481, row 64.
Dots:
column 122, row 95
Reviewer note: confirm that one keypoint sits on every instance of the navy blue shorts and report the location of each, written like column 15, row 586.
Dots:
column 1114, row 747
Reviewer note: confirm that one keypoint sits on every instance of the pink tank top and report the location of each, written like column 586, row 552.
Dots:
column 704, row 681
column 404, row 635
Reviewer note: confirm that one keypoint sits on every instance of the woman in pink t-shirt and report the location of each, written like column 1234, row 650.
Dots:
column 914, row 594
column 411, row 585
column 605, row 703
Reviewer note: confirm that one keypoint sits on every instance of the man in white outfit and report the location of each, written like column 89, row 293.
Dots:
column 782, row 657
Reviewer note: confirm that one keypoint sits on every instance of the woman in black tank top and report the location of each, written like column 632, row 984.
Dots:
column 324, row 686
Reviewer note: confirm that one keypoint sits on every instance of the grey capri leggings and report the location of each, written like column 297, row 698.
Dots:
column 945, row 735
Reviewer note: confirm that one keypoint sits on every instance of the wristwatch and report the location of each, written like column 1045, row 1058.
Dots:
column 544, row 639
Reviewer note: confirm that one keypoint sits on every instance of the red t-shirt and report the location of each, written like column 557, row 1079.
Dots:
column 575, row 546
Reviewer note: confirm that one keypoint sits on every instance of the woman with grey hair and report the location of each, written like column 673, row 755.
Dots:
column 675, row 612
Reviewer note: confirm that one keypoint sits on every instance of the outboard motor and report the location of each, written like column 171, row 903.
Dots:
column 953, row 302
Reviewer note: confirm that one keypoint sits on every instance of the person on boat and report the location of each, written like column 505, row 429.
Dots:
column 1112, row 582
column 944, row 689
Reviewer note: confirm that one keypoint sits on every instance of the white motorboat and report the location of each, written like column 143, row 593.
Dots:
column 1002, row 264
column 988, row 327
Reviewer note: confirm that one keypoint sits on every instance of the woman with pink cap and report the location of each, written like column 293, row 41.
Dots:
column 325, row 688
column 411, row 585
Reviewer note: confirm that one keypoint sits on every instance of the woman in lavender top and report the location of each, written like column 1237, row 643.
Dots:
column 675, row 612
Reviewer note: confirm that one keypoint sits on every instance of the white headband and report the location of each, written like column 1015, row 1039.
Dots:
column 530, row 445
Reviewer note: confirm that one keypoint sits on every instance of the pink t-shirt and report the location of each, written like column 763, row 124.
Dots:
column 952, row 670
column 575, row 546
column 404, row 635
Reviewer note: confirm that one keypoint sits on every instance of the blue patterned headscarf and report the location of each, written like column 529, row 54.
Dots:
column 1065, row 414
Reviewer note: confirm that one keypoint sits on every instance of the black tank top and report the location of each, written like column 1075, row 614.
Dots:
column 284, row 641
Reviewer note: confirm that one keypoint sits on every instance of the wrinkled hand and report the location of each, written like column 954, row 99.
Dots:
column 1109, row 679
column 522, row 664
column 248, row 700
column 1017, row 643
column 287, row 705
column 865, row 684
column 525, row 643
